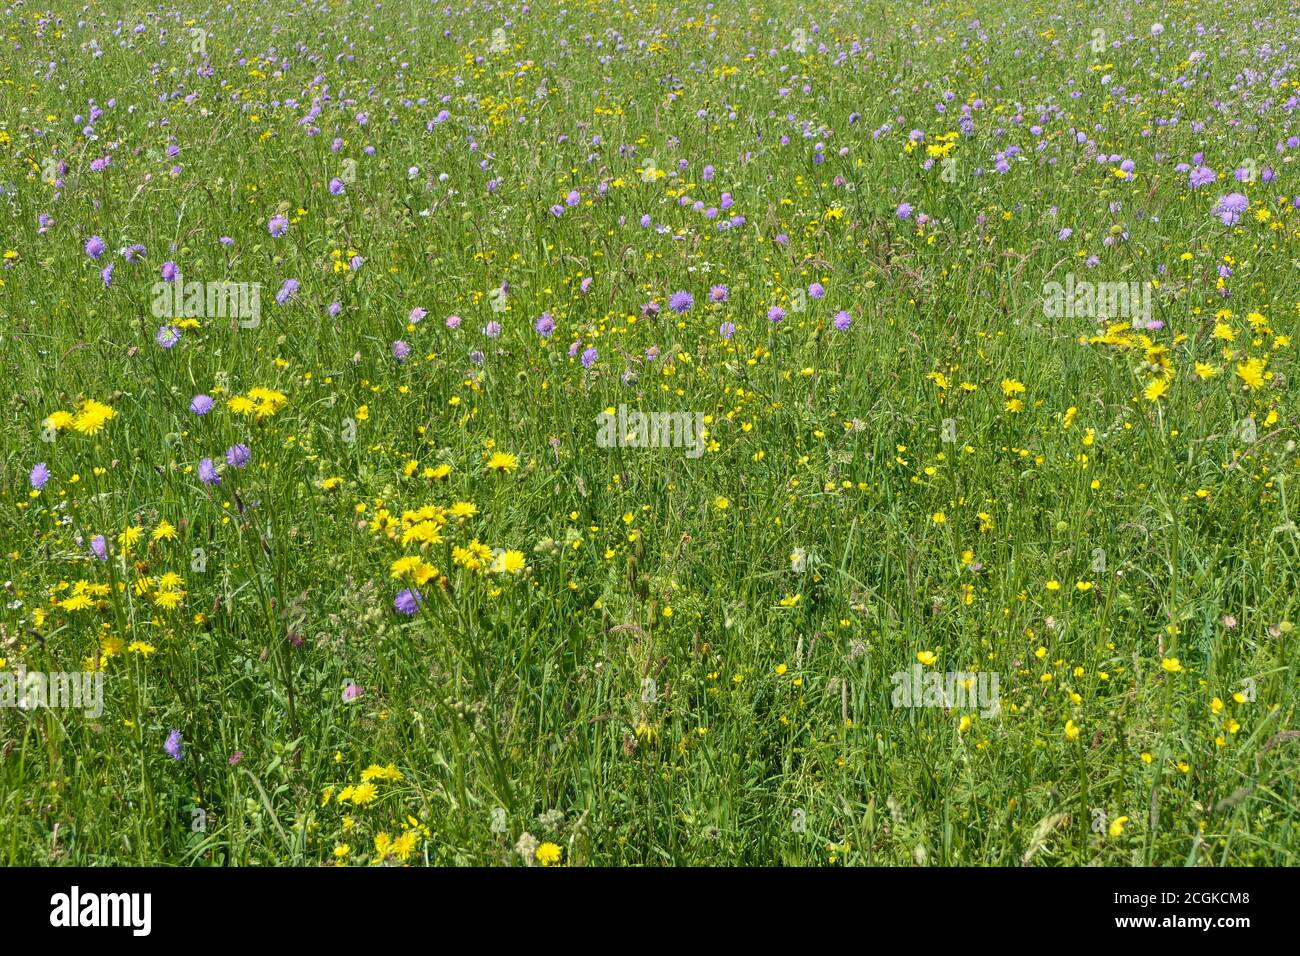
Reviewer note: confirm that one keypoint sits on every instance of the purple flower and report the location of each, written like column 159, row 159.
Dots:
column 817, row 290
column 94, row 247
column 237, row 456
column 1230, row 208
column 336, row 187
column 842, row 321
column 173, row 745
column 681, row 302
column 775, row 314
column 1201, row 176
column 39, row 476
column 589, row 357
column 286, row 291
column 201, row 404
column 453, row 321
column 408, row 601
column 492, row 329
column 401, row 350
column 572, row 199
column 727, row 330
column 416, row 315
column 99, row 547
column 106, row 275
column 167, row 336
column 719, row 293
column 208, row 472
column 277, row 226
column 545, row 326
column 904, row 210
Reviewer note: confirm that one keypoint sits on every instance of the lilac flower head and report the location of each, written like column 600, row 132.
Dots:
column 408, row 601
column 401, row 350
column 174, row 745
column 775, row 314
column 1230, row 208
column 589, row 357
column 842, row 321
column 681, row 302
column 277, row 226
column 167, row 336
column 208, row 472
column 39, row 475
column 99, row 547
column 201, row 404
column 237, row 456
column 94, row 247
column 545, row 325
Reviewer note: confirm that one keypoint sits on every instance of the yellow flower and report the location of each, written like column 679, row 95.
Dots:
column 165, row 531
column 1171, row 664
column 92, row 416
column 548, row 854
column 1071, row 730
column 927, row 657
column 1154, row 391
column 721, row 503
column 1117, row 826
column 508, row 562
column 1252, row 373
column 502, row 461
column 364, row 795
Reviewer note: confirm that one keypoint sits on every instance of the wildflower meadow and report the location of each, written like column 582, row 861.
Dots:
column 632, row 433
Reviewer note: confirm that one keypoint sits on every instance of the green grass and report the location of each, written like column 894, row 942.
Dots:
column 658, row 683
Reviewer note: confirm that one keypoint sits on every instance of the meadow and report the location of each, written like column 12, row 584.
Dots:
column 629, row 433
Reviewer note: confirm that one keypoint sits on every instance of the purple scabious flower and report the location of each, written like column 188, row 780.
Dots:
column 237, row 456
column 167, row 336
column 453, row 321
column 287, row 291
column 336, row 187
column 106, row 275
column 843, row 320
column 557, row 210
column 1230, row 208
column 208, row 472
column 727, row 330
column 401, row 350
column 408, row 601
column 589, row 357
column 719, row 293
column 277, row 226
column 573, row 198
column 94, row 247
column 545, row 325
column 775, row 314
column 904, row 210
column 201, row 404
column 174, row 745
column 492, row 329
column 39, row 475
column 681, row 302
column 817, row 291
column 416, row 315
column 169, row 272
column 99, row 547
column 1201, row 176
